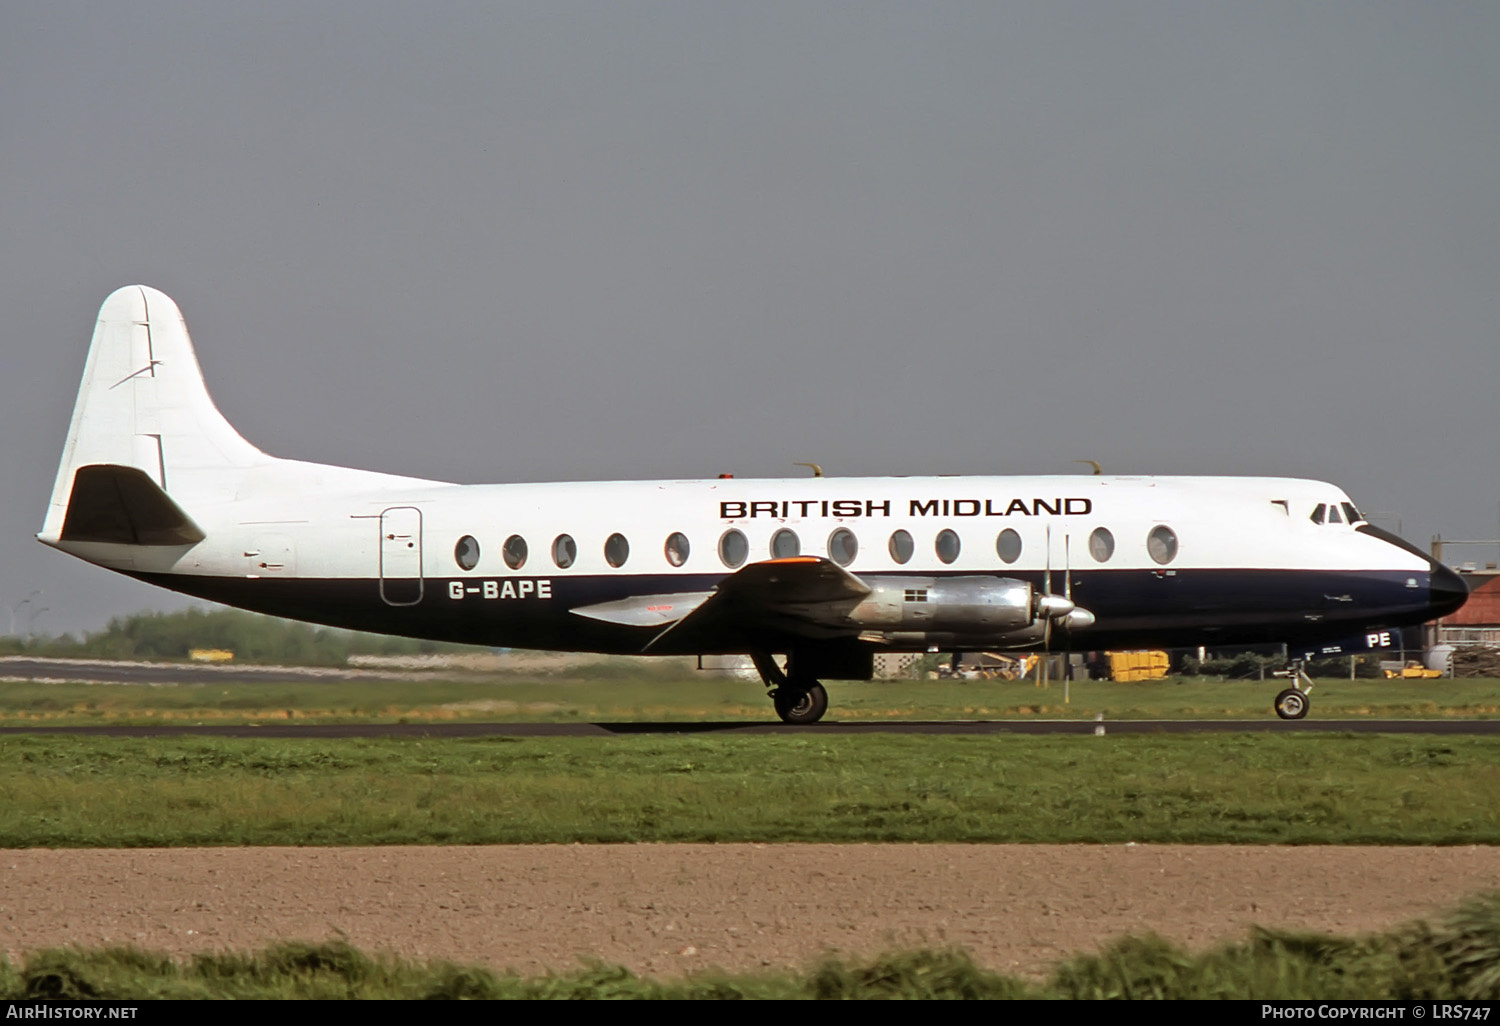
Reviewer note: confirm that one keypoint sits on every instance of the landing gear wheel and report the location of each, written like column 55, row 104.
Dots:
column 798, row 706
column 1291, row 704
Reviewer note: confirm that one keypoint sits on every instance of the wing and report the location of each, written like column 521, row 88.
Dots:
column 800, row 597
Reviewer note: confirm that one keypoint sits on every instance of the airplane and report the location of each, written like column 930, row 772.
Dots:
column 823, row 572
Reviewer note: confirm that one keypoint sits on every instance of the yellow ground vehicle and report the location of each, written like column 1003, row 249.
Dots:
column 1132, row 666
column 1413, row 671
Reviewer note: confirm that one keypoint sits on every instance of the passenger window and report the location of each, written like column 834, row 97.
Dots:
column 1101, row 544
column 564, row 551
column 677, row 548
column 1317, row 514
column 616, row 550
column 1162, row 544
column 733, row 548
column 901, row 546
column 947, row 545
column 514, row 551
column 466, row 553
column 843, row 546
column 784, row 544
column 1008, row 545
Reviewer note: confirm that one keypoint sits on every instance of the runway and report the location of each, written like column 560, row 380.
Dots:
column 130, row 672
column 829, row 729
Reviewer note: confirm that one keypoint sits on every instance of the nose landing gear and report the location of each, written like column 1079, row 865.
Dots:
column 1293, row 703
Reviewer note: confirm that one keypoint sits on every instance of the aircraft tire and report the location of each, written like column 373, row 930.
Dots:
column 1292, row 704
column 801, row 706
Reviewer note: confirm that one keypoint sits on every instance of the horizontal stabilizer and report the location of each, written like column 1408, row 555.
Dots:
column 646, row 610
column 111, row 503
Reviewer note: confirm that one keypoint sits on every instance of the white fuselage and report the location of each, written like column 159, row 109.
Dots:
column 155, row 483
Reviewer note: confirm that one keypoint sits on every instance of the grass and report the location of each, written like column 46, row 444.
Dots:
column 69, row 791
column 1457, row 957
column 668, row 698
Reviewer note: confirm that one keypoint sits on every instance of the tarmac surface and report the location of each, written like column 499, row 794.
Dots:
column 134, row 672
column 834, row 729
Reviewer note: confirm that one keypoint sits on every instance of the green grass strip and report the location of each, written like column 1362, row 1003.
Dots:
column 632, row 697
column 68, row 791
column 1458, row 957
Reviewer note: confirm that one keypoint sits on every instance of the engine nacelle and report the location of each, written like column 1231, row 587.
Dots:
column 959, row 605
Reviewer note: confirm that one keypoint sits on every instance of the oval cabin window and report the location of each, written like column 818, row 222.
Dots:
column 733, row 548
column 1101, row 544
column 901, row 546
column 677, row 548
column 785, row 544
column 843, row 546
column 1008, row 545
column 514, row 552
column 947, row 545
column 564, row 551
column 616, row 550
column 1162, row 544
column 466, row 552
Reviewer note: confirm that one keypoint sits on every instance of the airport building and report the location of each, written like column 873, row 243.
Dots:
column 1471, row 635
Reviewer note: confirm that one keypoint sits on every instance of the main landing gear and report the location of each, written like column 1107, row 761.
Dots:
column 797, row 698
column 1293, row 703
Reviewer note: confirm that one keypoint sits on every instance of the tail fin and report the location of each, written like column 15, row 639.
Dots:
column 143, row 428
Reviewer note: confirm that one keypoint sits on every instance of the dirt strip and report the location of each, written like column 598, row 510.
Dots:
column 670, row 909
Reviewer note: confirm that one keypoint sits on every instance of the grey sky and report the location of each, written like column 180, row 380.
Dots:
column 509, row 242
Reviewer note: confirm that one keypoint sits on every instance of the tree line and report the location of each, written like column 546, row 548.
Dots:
column 252, row 637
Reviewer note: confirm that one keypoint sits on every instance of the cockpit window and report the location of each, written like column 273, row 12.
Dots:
column 1333, row 515
column 1351, row 514
column 1317, row 514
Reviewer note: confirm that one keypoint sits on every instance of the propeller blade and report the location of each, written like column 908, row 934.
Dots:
column 1047, row 590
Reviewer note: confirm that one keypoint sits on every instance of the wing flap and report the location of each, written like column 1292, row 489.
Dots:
column 645, row 610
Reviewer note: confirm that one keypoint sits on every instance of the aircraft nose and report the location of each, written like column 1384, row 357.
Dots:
column 1446, row 591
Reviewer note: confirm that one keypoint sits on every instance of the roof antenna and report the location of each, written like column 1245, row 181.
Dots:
column 1093, row 463
column 817, row 470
